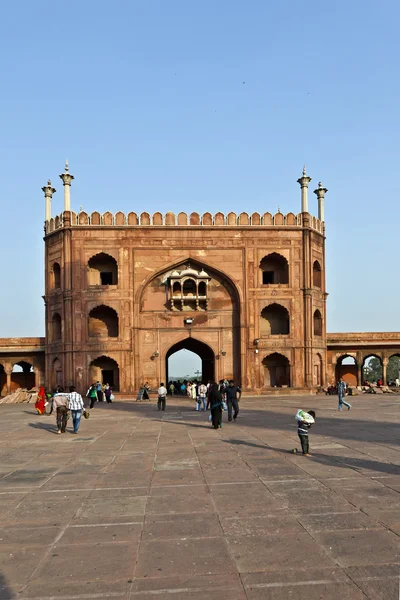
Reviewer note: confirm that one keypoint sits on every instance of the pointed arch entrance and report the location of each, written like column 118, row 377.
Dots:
column 205, row 353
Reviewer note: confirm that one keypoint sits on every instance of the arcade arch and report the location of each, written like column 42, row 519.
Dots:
column 347, row 368
column 372, row 368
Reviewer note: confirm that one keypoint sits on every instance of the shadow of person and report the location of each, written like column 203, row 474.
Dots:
column 51, row 428
column 6, row 592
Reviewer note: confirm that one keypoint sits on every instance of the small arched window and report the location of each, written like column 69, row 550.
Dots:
column 176, row 289
column 275, row 269
column 274, row 320
column 103, row 322
column 56, row 276
column 317, row 323
column 103, row 270
column 317, row 274
column 189, row 287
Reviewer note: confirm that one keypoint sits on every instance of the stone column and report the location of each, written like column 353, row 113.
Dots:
column 320, row 193
column 8, row 382
column 304, row 181
column 384, row 369
column 359, row 373
column 48, row 194
column 66, row 179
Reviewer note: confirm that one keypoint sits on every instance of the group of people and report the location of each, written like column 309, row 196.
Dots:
column 99, row 392
column 213, row 396
column 63, row 404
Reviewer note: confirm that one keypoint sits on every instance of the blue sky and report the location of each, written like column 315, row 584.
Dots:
column 148, row 101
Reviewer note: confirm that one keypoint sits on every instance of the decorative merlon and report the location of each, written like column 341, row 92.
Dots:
column 120, row 219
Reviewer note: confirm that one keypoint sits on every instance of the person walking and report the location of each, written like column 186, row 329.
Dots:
column 341, row 390
column 203, row 396
column 215, row 400
column 233, row 394
column 99, row 391
column 108, row 393
column 162, row 394
column 76, row 406
column 92, row 394
column 60, row 405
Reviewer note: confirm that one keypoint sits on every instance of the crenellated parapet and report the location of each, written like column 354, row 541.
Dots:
column 182, row 219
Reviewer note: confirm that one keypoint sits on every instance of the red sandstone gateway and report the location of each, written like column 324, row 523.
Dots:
column 245, row 292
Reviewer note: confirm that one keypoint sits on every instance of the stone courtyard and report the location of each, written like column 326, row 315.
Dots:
column 142, row 504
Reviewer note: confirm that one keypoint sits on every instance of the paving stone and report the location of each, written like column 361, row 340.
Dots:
column 120, row 506
column 260, row 525
column 307, row 584
column 102, row 534
column 95, row 569
column 244, row 499
column 377, row 582
column 181, row 526
column 200, row 587
column 177, row 477
column 358, row 548
column 165, row 558
column 21, row 535
column 276, row 552
column 338, row 521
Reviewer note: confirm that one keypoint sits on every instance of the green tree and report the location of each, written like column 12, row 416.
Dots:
column 393, row 368
column 373, row 369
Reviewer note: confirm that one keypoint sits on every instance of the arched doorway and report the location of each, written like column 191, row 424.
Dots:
column 105, row 370
column 276, row 370
column 202, row 350
column 346, row 367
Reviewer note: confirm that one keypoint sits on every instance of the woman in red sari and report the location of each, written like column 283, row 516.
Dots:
column 40, row 403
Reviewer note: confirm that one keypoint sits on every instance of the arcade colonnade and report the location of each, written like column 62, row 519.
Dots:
column 26, row 353
column 348, row 354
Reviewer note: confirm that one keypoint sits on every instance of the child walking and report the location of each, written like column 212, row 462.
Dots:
column 302, row 430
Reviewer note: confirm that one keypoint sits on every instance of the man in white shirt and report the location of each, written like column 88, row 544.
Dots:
column 162, row 394
column 76, row 406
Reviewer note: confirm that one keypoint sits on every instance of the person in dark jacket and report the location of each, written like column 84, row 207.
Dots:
column 233, row 394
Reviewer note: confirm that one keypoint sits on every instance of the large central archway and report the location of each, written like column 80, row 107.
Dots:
column 202, row 350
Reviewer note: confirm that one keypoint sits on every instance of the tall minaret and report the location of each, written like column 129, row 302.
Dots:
column 320, row 193
column 48, row 194
column 304, row 181
column 67, row 178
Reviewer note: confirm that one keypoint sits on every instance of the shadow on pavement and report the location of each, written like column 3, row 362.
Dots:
column 342, row 426
column 6, row 592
